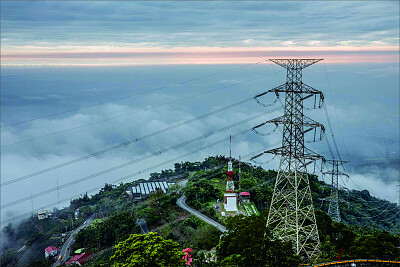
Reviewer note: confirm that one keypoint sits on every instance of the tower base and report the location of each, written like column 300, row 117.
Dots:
column 230, row 202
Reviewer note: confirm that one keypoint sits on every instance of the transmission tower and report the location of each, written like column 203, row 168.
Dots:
column 333, row 209
column 291, row 214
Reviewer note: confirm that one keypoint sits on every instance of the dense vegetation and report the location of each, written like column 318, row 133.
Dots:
column 147, row 250
column 355, row 242
column 103, row 234
column 366, row 232
column 248, row 242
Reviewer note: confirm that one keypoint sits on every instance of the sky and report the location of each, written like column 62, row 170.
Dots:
column 131, row 33
column 58, row 56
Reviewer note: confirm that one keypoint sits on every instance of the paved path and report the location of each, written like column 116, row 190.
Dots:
column 65, row 251
column 181, row 202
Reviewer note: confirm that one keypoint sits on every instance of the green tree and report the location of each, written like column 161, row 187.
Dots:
column 376, row 245
column 248, row 182
column 248, row 242
column 147, row 250
column 116, row 228
column 206, row 237
column 147, row 213
column 201, row 190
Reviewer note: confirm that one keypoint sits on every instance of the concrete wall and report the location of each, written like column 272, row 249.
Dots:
column 231, row 204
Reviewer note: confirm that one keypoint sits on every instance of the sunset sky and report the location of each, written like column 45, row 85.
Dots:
column 134, row 33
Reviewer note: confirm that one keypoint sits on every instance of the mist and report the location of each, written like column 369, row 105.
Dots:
column 364, row 117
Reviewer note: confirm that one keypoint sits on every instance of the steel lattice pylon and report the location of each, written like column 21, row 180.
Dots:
column 333, row 209
column 291, row 214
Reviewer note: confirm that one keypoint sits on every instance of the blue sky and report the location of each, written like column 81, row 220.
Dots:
column 51, row 53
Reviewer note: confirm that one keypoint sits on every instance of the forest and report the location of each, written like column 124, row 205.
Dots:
column 365, row 231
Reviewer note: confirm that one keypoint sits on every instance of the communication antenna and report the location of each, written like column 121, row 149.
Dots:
column 230, row 147
column 230, row 187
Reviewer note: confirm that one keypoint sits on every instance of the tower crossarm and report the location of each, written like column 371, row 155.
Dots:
column 339, row 162
column 307, row 154
column 258, row 155
column 283, row 88
column 306, row 89
column 332, row 172
column 294, row 63
column 285, row 119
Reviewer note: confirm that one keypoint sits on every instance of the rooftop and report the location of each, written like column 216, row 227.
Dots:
column 50, row 249
column 145, row 188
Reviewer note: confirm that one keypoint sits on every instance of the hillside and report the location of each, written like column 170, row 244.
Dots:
column 117, row 213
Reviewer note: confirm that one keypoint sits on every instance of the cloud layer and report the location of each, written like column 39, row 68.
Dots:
column 132, row 33
column 366, row 105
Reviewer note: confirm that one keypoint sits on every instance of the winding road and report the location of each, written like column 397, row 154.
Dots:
column 65, row 251
column 181, row 202
column 143, row 226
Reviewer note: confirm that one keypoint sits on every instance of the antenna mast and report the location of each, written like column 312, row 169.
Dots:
column 230, row 187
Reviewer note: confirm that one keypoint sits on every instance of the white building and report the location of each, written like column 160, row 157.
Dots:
column 44, row 214
column 230, row 202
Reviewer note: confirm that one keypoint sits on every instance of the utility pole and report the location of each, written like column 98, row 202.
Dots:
column 333, row 210
column 291, row 214
column 58, row 194
column 32, row 204
column 240, row 175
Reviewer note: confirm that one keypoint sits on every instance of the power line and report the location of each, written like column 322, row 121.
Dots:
column 86, row 178
column 124, row 144
column 329, row 146
column 379, row 214
column 132, row 175
column 132, row 95
column 334, row 107
column 333, row 136
column 331, row 130
column 388, row 219
column 134, row 112
column 260, row 150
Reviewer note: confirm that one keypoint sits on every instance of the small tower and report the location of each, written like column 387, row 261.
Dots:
column 230, row 186
column 230, row 197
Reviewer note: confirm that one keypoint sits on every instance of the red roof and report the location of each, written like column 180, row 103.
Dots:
column 50, row 249
column 79, row 258
column 244, row 193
